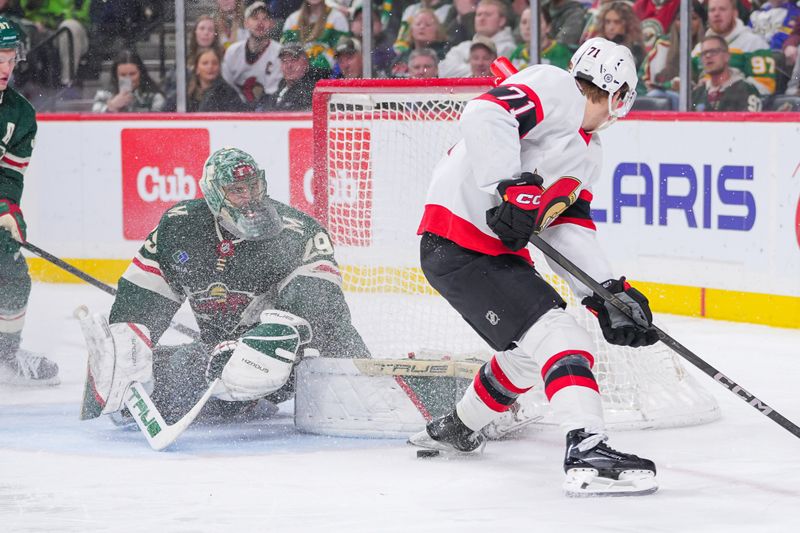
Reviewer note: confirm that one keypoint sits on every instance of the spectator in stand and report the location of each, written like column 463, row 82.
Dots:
column 423, row 63
column 590, row 28
column 299, row 78
column 618, row 23
column 482, row 52
column 208, row 91
column 657, row 17
column 132, row 88
column 426, row 32
column 790, row 45
column 113, row 26
column 775, row 20
column 382, row 50
column 490, row 21
column 349, row 60
column 229, row 22
column 793, row 87
column 441, row 9
column 460, row 21
column 723, row 88
column 252, row 67
column 551, row 52
column 50, row 16
column 318, row 28
column 660, row 70
column 203, row 35
column 568, row 18
column 749, row 52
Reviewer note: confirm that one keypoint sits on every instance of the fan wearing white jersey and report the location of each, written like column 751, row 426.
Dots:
column 253, row 66
column 525, row 165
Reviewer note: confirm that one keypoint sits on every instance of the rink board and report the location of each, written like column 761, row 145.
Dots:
column 705, row 214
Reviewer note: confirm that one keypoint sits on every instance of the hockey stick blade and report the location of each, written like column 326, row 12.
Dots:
column 158, row 433
column 681, row 350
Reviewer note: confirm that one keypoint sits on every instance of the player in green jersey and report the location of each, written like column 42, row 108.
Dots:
column 17, row 133
column 262, row 282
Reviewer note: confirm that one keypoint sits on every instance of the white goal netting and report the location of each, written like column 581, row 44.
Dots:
column 381, row 148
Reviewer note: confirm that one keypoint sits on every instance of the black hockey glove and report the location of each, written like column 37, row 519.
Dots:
column 617, row 327
column 527, row 208
column 514, row 220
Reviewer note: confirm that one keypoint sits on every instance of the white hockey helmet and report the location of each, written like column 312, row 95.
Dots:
column 609, row 66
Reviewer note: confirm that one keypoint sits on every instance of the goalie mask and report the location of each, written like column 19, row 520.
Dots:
column 611, row 67
column 235, row 190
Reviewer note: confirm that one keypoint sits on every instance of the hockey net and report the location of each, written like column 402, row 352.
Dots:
column 375, row 145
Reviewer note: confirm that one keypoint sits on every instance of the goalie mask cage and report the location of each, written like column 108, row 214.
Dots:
column 375, row 145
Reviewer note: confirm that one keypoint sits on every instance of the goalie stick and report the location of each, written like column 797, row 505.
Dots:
column 60, row 263
column 158, row 433
column 681, row 350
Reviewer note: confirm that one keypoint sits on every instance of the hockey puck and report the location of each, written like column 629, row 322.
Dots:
column 424, row 454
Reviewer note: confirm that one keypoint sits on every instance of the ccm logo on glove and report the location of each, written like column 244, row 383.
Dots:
column 524, row 199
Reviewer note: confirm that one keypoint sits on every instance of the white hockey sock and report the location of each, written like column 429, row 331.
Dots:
column 578, row 407
column 473, row 411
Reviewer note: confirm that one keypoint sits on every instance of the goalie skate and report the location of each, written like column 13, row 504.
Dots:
column 448, row 434
column 595, row 469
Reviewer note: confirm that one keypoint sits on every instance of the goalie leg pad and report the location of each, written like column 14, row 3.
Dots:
column 118, row 355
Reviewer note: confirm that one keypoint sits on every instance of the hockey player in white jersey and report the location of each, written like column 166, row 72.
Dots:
column 526, row 164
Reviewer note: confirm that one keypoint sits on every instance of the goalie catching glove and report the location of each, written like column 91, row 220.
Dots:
column 527, row 208
column 617, row 327
column 260, row 361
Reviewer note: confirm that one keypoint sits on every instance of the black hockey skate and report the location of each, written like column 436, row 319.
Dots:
column 27, row 369
column 449, row 434
column 595, row 469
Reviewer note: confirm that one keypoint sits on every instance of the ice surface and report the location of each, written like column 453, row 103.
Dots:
column 60, row 474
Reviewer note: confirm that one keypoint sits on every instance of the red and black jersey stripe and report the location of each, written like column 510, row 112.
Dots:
column 519, row 100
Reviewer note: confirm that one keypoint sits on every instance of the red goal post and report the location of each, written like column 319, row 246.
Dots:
column 375, row 145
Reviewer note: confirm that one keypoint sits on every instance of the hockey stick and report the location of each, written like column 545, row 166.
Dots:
column 60, row 263
column 681, row 350
column 158, row 433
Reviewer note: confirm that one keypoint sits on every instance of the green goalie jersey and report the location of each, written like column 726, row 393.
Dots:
column 17, row 133
column 228, row 282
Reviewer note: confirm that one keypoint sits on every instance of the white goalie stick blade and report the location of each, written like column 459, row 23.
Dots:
column 158, row 433
column 424, row 441
column 584, row 482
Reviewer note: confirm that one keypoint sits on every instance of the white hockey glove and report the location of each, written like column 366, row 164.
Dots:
column 119, row 354
column 260, row 361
